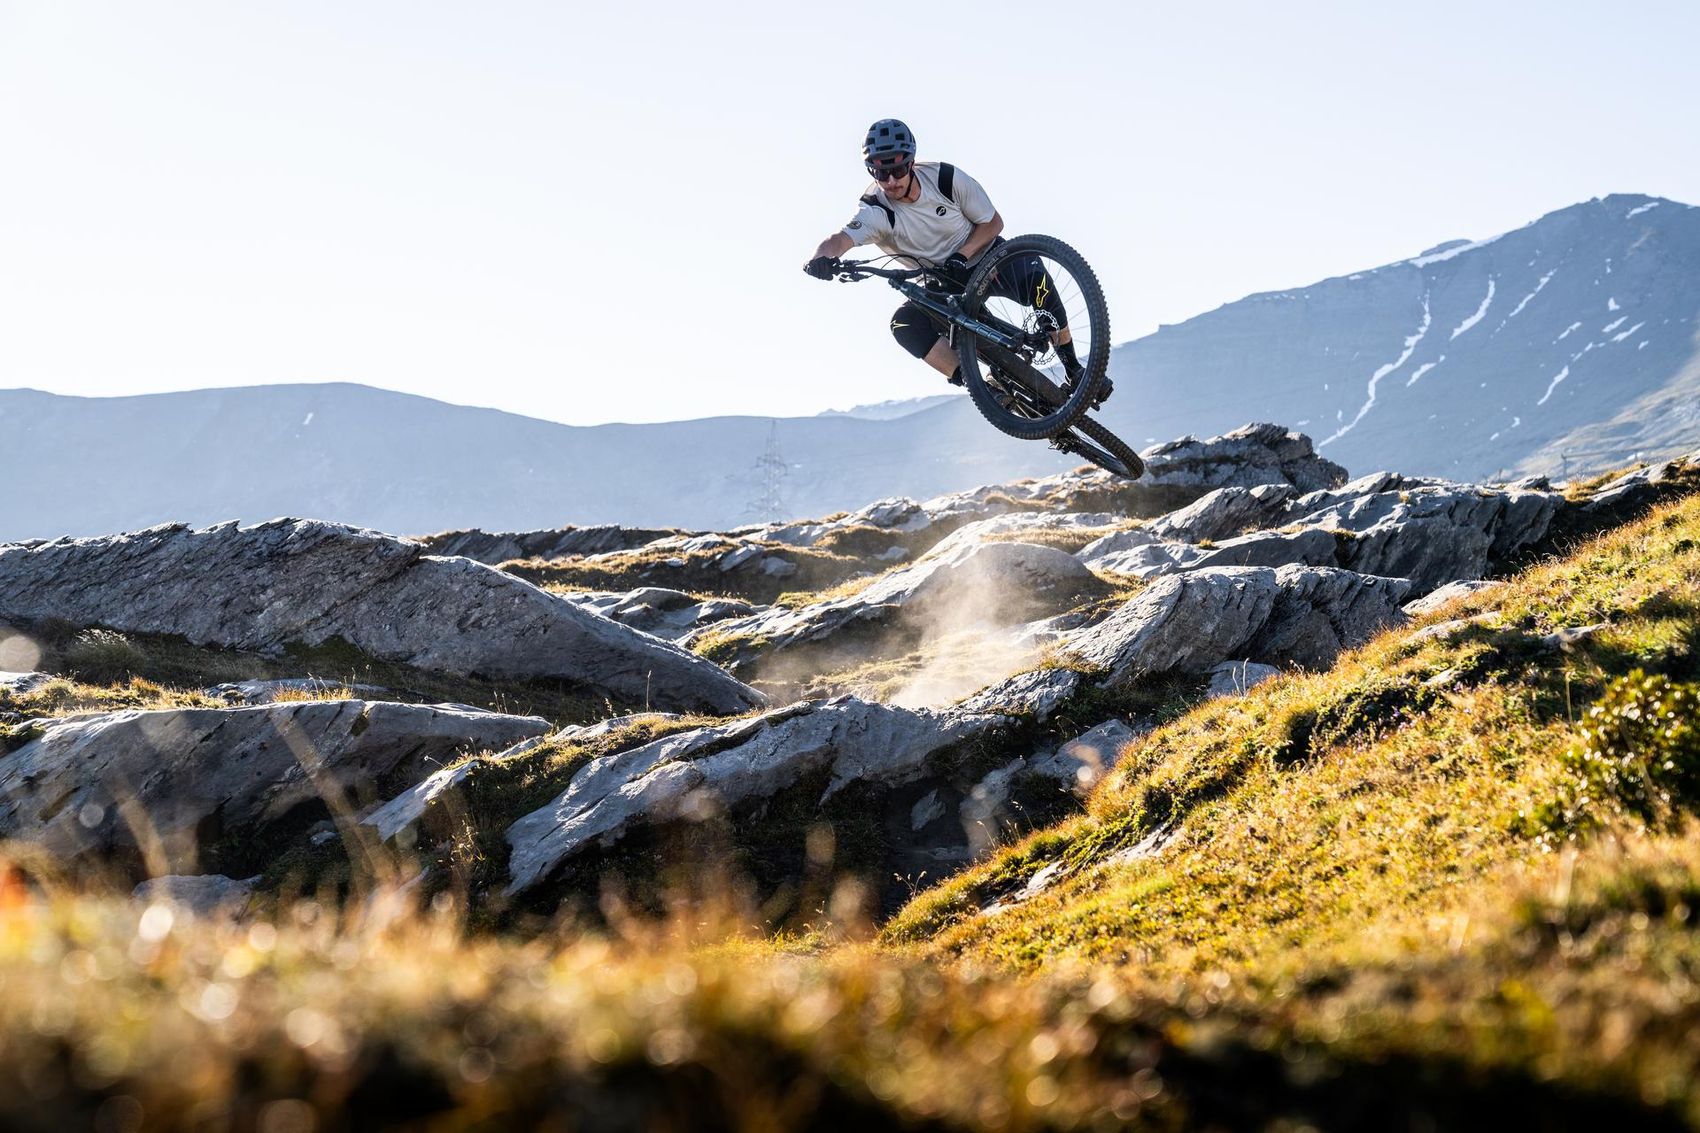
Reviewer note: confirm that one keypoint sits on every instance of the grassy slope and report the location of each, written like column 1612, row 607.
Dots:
column 1387, row 893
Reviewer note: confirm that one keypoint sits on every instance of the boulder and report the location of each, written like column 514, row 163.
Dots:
column 1224, row 513
column 1193, row 622
column 98, row 785
column 701, row 771
column 668, row 614
column 289, row 581
column 1078, row 764
column 24, row 682
column 1318, row 614
column 1451, row 592
column 268, row 691
column 1639, row 488
column 1233, row 678
column 1248, row 456
column 1434, row 534
column 495, row 547
column 201, row 894
column 992, row 584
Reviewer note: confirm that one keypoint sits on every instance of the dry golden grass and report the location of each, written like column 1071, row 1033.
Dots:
column 1335, row 902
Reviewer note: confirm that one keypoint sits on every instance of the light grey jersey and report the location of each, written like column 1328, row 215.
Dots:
column 927, row 229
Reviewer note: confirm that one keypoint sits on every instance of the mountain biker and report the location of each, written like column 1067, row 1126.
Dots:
column 938, row 217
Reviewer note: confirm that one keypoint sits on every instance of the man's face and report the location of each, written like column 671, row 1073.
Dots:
column 892, row 175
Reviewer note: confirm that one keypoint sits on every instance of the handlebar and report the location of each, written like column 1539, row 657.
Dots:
column 848, row 271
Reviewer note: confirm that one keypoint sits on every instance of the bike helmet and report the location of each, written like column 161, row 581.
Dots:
column 889, row 142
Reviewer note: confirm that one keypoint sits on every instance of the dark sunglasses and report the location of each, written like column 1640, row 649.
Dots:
column 890, row 172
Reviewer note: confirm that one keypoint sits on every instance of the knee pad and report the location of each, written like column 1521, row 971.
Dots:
column 914, row 330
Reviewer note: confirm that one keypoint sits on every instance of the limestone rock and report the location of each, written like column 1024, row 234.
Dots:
column 996, row 584
column 1081, row 762
column 1639, row 488
column 305, row 581
column 1224, row 513
column 667, row 614
column 1232, row 678
column 1246, row 457
column 268, row 691
column 1319, row 613
column 24, row 682
column 193, row 777
column 496, row 547
column 1193, row 622
column 200, row 894
column 1435, row 534
column 1451, row 592
column 705, row 769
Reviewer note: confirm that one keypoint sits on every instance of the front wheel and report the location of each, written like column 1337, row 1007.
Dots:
column 1041, row 293
column 1110, row 452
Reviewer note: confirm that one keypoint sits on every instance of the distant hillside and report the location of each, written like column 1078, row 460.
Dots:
column 1574, row 336
column 1568, row 345
column 84, row 466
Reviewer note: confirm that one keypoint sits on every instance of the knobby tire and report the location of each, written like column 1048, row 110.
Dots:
column 1065, row 411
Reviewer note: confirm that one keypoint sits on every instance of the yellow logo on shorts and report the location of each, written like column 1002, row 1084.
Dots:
column 1040, row 293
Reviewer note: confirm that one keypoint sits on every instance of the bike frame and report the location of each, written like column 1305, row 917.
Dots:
column 946, row 305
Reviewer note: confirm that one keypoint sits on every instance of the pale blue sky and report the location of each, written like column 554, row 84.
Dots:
column 598, row 213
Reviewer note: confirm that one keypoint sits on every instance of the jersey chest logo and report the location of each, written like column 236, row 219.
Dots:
column 941, row 210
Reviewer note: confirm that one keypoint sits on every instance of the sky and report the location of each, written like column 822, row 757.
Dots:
column 592, row 213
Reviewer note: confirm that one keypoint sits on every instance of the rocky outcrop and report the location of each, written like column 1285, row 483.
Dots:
column 700, row 771
column 23, row 682
column 987, row 583
column 202, row 781
column 1451, row 592
column 1248, row 456
column 1428, row 531
column 1175, row 474
column 1193, row 622
column 199, row 894
column 1224, row 513
column 493, row 547
column 1435, row 533
column 303, row 581
column 1232, row 678
column 669, row 614
column 268, row 691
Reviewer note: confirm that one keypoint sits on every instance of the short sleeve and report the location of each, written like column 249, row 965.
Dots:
column 869, row 223
column 972, row 199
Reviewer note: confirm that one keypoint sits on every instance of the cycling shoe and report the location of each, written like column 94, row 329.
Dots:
column 1105, row 388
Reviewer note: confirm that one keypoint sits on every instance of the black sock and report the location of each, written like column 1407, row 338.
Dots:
column 1065, row 351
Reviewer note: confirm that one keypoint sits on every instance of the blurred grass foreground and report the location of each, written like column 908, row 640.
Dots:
column 1452, row 882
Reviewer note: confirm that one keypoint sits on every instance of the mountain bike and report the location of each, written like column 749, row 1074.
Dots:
column 1006, row 320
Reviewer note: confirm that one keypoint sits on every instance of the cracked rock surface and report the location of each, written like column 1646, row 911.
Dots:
column 289, row 580
column 114, row 782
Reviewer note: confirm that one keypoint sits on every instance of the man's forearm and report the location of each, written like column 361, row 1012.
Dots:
column 981, row 235
column 834, row 246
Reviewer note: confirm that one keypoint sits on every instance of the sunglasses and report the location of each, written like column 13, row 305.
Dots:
column 890, row 172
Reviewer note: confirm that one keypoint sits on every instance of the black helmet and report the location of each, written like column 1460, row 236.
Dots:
column 889, row 142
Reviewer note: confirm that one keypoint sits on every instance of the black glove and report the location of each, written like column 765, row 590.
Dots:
column 821, row 267
column 955, row 268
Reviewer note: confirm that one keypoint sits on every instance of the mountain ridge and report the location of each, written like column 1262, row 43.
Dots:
column 1463, row 361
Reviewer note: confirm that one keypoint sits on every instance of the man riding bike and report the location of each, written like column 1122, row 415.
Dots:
column 938, row 217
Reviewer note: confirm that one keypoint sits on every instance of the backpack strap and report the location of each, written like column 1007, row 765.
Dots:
column 947, row 180
column 890, row 213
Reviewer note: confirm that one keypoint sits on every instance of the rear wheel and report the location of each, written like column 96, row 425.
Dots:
column 1102, row 448
column 1041, row 293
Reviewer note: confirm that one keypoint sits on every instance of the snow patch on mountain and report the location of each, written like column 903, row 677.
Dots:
column 1552, row 385
column 1480, row 312
column 1375, row 379
column 1518, row 308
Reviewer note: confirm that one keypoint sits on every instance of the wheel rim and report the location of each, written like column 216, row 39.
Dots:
column 1054, row 283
